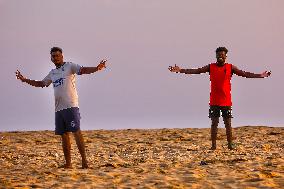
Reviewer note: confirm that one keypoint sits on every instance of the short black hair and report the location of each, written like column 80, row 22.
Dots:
column 219, row 49
column 54, row 49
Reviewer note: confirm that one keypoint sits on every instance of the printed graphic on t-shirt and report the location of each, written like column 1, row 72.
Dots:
column 58, row 82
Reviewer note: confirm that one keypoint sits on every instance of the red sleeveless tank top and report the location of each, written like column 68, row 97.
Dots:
column 220, row 78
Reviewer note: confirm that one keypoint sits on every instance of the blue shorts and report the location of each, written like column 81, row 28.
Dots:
column 67, row 120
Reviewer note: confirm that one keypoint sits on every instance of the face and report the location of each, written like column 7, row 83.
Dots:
column 221, row 57
column 57, row 58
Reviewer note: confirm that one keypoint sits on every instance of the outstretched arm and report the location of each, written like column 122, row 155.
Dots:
column 89, row 70
column 176, row 69
column 29, row 81
column 242, row 73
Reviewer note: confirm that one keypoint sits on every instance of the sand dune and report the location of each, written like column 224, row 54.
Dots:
column 160, row 158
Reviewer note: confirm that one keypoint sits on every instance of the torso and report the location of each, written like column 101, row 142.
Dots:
column 63, row 80
column 220, row 77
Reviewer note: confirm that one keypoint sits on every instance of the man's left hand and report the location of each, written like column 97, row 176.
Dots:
column 102, row 65
column 266, row 74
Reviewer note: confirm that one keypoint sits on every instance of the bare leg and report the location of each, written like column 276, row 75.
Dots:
column 227, row 122
column 81, row 146
column 66, row 150
column 214, row 129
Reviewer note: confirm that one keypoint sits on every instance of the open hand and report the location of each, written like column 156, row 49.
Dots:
column 102, row 65
column 19, row 75
column 266, row 74
column 174, row 68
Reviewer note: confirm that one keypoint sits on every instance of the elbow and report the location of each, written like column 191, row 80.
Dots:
column 42, row 85
column 82, row 71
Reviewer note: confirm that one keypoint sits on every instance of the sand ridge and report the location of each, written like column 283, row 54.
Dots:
column 156, row 158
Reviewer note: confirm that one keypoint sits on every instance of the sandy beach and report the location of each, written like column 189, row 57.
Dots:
column 158, row 158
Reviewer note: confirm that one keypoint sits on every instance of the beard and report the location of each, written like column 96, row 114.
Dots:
column 57, row 65
column 221, row 60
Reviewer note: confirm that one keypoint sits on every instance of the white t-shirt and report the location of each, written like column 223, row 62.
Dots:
column 63, row 80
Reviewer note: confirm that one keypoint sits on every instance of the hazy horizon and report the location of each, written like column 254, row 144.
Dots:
column 141, row 39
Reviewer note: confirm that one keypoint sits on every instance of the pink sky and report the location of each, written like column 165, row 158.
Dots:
column 141, row 39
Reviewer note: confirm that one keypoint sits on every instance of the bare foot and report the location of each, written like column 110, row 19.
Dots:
column 65, row 166
column 231, row 147
column 213, row 148
column 85, row 166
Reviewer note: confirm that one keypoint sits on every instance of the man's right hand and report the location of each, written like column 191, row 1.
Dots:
column 20, row 76
column 174, row 68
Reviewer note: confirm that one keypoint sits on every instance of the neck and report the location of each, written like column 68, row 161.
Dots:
column 220, row 64
column 59, row 65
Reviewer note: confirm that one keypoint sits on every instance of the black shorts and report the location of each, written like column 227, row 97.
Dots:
column 67, row 120
column 214, row 111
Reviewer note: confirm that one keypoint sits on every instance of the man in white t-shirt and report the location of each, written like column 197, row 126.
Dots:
column 67, row 115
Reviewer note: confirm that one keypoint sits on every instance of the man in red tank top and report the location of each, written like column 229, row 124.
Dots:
column 220, row 95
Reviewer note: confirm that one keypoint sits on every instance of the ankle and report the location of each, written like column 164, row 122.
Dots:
column 213, row 147
column 230, row 146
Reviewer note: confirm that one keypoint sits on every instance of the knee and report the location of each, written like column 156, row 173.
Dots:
column 227, row 122
column 64, row 136
column 77, row 133
column 215, row 122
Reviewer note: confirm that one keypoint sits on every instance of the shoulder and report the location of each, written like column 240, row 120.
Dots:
column 49, row 75
column 234, row 68
column 205, row 69
column 209, row 66
column 212, row 64
column 229, row 64
column 72, row 65
column 51, row 71
column 69, row 64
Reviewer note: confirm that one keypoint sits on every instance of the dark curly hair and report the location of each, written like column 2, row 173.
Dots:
column 219, row 49
column 54, row 49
